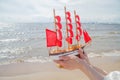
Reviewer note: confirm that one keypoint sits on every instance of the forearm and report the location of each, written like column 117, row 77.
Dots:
column 100, row 70
column 92, row 73
column 96, row 68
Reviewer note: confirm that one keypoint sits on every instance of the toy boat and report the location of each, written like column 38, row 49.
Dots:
column 54, row 38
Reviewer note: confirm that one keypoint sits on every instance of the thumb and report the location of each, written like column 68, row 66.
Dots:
column 80, row 51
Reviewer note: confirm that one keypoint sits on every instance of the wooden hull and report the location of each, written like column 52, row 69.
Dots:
column 73, row 50
column 56, row 56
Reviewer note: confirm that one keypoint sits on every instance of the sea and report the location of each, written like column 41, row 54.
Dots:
column 26, row 42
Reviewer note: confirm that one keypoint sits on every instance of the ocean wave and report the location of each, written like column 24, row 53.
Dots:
column 9, row 40
column 44, row 59
column 16, row 51
column 4, row 56
column 109, row 53
column 100, row 37
column 21, row 39
column 13, row 40
column 115, row 32
column 38, row 59
column 7, row 50
column 6, row 25
column 10, row 53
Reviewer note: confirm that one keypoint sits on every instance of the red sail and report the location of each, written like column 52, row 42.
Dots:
column 69, row 20
column 70, row 33
column 80, row 31
column 77, row 37
column 78, row 23
column 59, row 35
column 70, row 30
column 58, row 30
column 59, row 25
column 59, row 43
column 68, row 17
column 69, row 40
column 58, row 18
column 77, row 17
column 68, row 14
column 79, row 28
column 69, row 27
column 87, row 38
column 51, row 38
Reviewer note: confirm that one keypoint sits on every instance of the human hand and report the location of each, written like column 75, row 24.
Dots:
column 70, row 62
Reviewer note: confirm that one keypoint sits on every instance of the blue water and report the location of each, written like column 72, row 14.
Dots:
column 25, row 41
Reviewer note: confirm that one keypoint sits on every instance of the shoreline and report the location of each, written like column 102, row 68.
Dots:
column 49, row 71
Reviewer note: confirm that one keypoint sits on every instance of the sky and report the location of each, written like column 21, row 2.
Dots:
column 18, row 11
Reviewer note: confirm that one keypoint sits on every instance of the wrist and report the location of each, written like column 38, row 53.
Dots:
column 91, row 72
column 84, row 66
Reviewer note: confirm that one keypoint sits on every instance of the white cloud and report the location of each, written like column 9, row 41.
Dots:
column 41, row 10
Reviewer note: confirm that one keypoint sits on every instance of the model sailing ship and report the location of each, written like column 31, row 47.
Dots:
column 54, row 37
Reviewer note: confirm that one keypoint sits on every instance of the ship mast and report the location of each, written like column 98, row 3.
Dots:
column 66, row 27
column 54, row 20
column 55, row 24
column 76, row 25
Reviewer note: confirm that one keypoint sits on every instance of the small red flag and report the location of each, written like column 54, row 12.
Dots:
column 87, row 38
column 51, row 38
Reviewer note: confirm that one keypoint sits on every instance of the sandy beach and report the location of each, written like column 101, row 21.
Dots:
column 49, row 71
column 31, row 30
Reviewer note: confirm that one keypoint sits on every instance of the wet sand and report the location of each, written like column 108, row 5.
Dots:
column 49, row 71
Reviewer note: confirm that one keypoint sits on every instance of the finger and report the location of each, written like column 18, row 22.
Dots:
column 60, row 66
column 61, row 62
column 81, row 53
column 72, row 57
column 64, row 57
column 57, row 61
column 85, row 54
column 80, row 50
